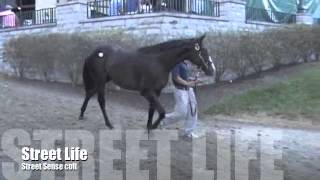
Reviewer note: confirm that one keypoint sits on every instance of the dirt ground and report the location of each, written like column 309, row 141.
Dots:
column 31, row 105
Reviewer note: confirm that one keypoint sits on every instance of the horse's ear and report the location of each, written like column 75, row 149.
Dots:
column 202, row 37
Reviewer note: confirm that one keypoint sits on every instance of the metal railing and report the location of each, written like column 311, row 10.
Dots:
column 96, row 9
column 28, row 18
column 257, row 14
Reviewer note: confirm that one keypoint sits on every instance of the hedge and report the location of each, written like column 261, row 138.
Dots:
column 253, row 52
column 243, row 53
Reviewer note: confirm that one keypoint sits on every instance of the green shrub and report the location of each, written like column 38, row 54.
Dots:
column 252, row 52
column 241, row 52
column 17, row 56
column 52, row 54
column 222, row 47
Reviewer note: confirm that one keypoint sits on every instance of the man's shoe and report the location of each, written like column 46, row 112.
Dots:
column 161, row 125
column 196, row 134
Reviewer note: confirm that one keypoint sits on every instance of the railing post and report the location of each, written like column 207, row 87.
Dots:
column 70, row 13
column 233, row 10
column 303, row 17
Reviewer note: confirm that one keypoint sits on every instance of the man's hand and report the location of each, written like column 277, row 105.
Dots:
column 193, row 83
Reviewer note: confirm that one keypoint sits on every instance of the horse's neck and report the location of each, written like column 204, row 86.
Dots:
column 173, row 57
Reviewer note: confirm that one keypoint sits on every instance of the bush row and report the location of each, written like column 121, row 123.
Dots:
column 253, row 52
column 47, row 56
column 242, row 53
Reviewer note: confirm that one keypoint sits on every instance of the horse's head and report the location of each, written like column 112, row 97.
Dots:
column 201, row 58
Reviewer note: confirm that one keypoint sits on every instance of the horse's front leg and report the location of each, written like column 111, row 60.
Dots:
column 153, row 99
column 162, row 114
column 150, row 115
column 151, row 111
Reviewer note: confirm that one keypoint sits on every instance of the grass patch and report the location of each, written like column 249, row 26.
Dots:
column 300, row 95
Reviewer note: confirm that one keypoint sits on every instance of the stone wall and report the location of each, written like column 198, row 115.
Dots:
column 72, row 17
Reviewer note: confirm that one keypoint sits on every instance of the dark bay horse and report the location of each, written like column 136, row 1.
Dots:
column 145, row 70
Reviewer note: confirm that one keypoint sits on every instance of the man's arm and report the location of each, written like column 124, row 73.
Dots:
column 178, row 79
column 181, row 81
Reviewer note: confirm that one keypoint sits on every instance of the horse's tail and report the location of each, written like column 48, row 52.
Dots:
column 88, row 80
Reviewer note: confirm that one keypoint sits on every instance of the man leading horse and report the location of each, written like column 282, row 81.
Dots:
column 145, row 70
column 185, row 100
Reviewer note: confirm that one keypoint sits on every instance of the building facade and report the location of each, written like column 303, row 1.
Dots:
column 167, row 19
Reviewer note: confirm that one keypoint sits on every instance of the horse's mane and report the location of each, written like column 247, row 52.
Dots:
column 176, row 43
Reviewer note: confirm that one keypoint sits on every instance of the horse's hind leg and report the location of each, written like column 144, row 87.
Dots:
column 89, row 94
column 102, row 102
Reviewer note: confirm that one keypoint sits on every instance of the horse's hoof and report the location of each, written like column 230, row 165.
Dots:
column 81, row 118
column 110, row 127
column 154, row 127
